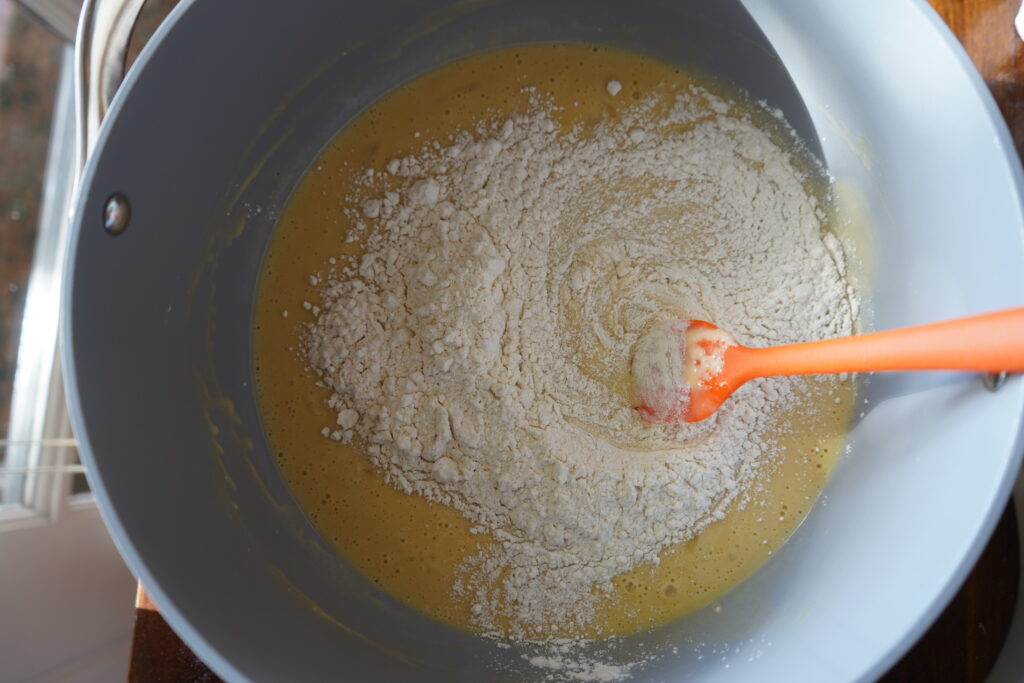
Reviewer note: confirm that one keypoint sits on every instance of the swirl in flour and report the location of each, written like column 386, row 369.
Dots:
column 480, row 347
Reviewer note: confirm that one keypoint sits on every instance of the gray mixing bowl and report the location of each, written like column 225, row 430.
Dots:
column 210, row 133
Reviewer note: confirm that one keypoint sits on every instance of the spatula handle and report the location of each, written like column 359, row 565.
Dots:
column 990, row 342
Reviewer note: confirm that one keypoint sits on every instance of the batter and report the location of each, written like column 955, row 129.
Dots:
column 412, row 548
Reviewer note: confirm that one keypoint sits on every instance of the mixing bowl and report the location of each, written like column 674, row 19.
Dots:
column 215, row 125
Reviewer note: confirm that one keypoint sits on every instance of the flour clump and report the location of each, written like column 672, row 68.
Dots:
column 479, row 346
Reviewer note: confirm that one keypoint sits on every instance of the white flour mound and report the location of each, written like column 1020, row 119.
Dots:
column 479, row 346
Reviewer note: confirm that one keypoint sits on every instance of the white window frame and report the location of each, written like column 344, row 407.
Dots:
column 39, row 444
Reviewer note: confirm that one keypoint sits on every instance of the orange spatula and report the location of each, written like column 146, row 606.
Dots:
column 684, row 369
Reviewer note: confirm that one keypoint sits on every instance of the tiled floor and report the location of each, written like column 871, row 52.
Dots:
column 29, row 67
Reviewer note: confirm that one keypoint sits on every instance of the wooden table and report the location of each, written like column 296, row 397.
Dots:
column 965, row 640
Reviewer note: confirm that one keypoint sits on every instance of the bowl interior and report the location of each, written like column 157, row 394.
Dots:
column 157, row 327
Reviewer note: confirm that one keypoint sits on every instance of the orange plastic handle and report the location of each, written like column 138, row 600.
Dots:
column 990, row 342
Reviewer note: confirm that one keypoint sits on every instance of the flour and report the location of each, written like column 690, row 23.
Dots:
column 479, row 348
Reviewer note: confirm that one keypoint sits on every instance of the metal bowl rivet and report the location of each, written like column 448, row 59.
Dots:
column 994, row 380
column 116, row 213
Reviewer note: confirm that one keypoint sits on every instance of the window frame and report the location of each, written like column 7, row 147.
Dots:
column 40, row 448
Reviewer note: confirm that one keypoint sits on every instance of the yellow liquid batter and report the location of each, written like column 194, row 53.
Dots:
column 406, row 545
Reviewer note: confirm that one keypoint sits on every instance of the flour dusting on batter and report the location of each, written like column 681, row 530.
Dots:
column 480, row 347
